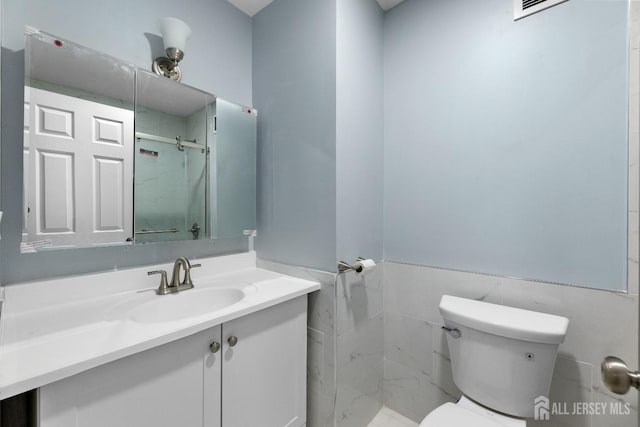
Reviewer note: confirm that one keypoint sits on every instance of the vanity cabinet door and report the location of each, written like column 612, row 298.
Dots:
column 160, row 387
column 264, row 367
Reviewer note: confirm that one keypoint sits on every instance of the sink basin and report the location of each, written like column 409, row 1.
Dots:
column 185, row 304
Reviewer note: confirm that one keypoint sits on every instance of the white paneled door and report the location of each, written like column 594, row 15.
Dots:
column 78, row 171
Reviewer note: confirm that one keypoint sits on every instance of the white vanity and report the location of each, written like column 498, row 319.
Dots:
column 105, row 350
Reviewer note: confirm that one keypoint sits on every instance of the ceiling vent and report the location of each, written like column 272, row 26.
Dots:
column 522, row 8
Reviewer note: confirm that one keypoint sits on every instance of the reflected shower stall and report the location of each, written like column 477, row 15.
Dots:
column 170, row 188
column 171, row 161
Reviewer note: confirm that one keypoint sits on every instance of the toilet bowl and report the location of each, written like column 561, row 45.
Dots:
column 502, row 360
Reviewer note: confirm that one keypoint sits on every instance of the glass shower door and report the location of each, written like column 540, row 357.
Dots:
column 170, row 188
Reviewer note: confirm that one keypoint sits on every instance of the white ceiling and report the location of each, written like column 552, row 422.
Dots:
column 388, row 4
column 251, row 7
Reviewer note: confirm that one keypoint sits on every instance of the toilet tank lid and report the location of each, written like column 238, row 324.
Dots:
column 501, row 320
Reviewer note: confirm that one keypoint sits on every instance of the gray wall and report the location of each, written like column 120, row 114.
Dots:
column 506, row 142
column 359, row 129
column 218, row 60
column 318, row 87
column 294, row 90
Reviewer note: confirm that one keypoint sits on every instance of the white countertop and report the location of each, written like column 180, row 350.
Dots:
column 52, row 329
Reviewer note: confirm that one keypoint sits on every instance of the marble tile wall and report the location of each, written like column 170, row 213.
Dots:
column 417, row 366
column 360, row 351
column 349, row 392
column 390, row 348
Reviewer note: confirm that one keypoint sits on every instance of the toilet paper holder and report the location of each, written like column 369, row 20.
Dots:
column 357, row 266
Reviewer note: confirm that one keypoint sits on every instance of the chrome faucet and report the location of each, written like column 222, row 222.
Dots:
column 175, row 285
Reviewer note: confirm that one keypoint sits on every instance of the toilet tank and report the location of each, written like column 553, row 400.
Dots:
column 503, row 357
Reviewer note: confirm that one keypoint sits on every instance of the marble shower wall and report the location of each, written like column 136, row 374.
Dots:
column 417, row 367
column 160, row 180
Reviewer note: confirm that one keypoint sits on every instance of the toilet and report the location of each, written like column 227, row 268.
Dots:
column 502, row 360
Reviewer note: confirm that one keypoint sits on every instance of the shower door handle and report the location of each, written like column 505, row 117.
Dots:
column 617, row 376
column 195, row 230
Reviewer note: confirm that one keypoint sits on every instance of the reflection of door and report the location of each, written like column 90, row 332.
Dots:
column 80, row 169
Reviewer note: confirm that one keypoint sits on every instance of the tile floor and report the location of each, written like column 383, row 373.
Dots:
column 388, row 418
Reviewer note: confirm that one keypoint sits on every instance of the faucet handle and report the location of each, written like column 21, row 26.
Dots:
column 187, row 274
column 164, row 286
column 164, row 273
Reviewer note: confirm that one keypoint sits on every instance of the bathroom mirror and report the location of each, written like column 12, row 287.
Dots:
column 115, row 155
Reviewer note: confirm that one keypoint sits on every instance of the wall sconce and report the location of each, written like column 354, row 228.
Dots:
column 175, row 34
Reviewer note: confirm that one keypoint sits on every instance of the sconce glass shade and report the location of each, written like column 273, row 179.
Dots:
column 175, row 33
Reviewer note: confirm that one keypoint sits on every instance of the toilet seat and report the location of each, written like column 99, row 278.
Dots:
column 467, row 413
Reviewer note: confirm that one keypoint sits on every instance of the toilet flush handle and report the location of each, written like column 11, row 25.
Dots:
column 454, row 332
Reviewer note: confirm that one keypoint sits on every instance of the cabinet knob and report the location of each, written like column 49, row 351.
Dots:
column 214, row 347
column 232, row 341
